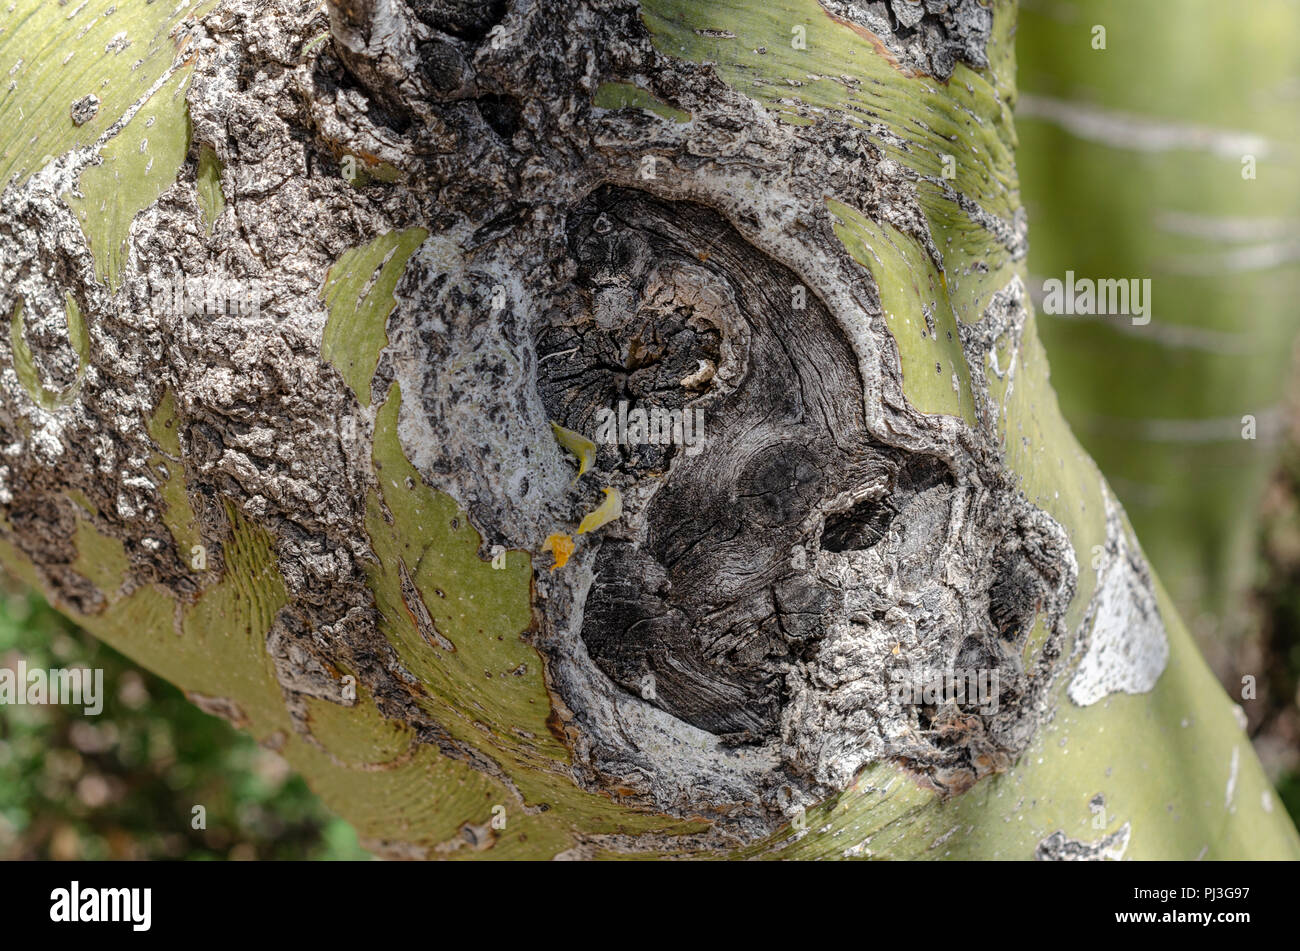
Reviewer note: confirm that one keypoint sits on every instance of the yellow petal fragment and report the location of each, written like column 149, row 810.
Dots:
column 608, row 510
column 578, row 444
column 559, row 545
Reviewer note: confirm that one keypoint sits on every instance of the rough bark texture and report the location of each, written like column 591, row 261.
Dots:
column 366, row 516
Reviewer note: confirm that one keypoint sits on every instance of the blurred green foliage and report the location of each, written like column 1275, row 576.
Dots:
column 123, row 784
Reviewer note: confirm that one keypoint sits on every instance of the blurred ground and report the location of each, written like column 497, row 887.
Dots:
column 1271, row 651
column 123, row 784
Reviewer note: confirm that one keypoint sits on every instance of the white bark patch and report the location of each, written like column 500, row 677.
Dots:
column 1122, row 130
column 1126, row 650
column 1231, row 789
column 1057, row 848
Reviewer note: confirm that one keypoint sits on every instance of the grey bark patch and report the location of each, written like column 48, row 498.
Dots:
column 1057, row 847
column 930, row 36
column 466, row 19
column 85, row 109
column 300, row 668
column 264, row 425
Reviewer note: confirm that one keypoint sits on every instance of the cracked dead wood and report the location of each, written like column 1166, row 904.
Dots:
column 589, row 428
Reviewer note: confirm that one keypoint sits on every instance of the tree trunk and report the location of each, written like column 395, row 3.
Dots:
column 325, row 404
column 1141, row 161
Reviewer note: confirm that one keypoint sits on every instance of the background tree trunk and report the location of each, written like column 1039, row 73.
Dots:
column 1187, row 175
column 358, row 503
